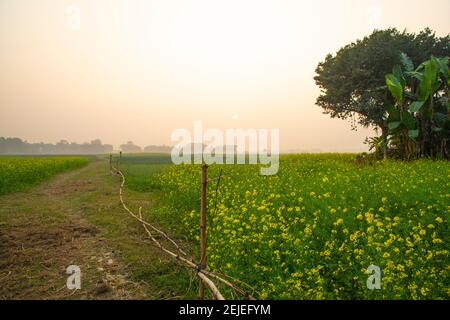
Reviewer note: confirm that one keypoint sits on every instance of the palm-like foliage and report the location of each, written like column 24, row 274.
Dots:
column 419, row 116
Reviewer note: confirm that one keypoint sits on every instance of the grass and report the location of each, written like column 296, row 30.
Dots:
column 312, row 231
column 142, row 169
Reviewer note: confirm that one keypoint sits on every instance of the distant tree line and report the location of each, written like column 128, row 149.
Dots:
column 130, row 147
column 16, row 146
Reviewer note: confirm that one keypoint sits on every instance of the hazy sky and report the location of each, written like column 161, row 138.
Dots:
column 138, row 69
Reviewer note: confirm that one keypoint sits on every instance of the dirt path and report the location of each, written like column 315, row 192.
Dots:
column 76, row 219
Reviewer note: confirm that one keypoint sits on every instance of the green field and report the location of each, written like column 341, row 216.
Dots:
column 312, row 231
column 20, row 173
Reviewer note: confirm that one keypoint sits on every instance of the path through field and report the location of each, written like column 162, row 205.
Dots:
column 76, row 219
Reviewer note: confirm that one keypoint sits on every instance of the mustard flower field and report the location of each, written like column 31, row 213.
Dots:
column 312, row 231
column 20, row 173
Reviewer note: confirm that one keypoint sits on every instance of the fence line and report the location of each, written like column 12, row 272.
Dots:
column 202, row 263
column 203, row 274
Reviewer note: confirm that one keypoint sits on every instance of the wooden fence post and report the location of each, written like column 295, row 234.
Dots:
column 118, row 161
column 203, row 227
column 110, row 165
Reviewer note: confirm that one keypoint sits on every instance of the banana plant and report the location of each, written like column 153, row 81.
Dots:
column 417, row 114
column 401, row 121
column 432, row 104
column 377, row 145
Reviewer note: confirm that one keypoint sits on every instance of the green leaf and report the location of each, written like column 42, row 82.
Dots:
column 416, row 106
column 415, row 74
column 409, row 121
column 395, row 87
column 440, row 118
column 397, row 72
column 421, row 67
column 430, row 73
column 413, row 134
column 394, row 125
column 406, row 62
column 393, row 113
column 443, row 67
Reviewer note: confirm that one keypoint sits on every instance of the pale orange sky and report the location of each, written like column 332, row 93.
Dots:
column 137, row 70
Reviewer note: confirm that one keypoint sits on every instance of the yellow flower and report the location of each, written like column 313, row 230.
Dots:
column 326, row 253
column 308, row 231
column 439, row 220
column 263, row 295
column 412, row 286
column 423, row 291
column 369, row 217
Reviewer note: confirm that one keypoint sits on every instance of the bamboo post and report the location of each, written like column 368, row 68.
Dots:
column 118, row 161
column 203, row 227
column 110, row 164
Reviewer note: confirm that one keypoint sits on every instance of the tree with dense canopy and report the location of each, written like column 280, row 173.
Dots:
column 130, row 147
column 352, row 81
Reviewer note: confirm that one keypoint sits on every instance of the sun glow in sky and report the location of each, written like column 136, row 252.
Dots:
column 136, row 70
